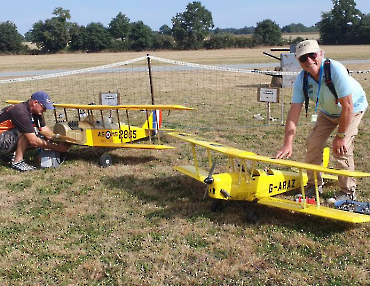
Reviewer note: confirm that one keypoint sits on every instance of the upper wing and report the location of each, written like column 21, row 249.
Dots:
column 236, row 153
column 116, row 107
column 123, row 107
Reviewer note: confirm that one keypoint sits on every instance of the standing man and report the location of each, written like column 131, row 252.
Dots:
column 19, row 126
column 342, row 113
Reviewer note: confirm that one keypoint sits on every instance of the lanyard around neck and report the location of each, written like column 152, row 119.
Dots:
column 318, row 89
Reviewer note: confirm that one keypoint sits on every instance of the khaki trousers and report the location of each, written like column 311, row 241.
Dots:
column 317, row 140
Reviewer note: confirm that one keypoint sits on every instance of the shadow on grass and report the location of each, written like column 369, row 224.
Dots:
column 92, row 155
column 182, row 197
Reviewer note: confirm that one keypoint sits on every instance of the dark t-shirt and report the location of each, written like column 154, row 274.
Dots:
column 22, row 118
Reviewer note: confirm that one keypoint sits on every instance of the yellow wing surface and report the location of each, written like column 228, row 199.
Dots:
column 115, row 107
column 236, row 153
column 317, row 210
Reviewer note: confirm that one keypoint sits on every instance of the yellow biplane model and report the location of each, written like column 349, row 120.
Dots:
column 244, row 183
column 102, row 126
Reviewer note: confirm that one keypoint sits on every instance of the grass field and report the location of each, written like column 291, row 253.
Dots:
column 140, row 222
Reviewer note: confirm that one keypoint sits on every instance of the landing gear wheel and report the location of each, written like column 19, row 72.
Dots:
column 105, row 160
column 252, row 216
column 216, row 205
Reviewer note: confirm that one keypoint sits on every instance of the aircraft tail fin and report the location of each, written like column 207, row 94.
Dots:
column 325, row 157
column 154, row 121
column 325, row 163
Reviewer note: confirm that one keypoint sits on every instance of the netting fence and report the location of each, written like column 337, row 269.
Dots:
column 225, row 98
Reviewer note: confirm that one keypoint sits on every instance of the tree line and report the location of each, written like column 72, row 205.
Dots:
column 191, row 29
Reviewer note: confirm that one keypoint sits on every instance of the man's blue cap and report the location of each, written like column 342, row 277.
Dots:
column 43, row 98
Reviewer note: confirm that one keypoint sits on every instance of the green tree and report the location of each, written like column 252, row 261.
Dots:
column 141, row 37
column 267, row 33
column 97, row 37
column 340, row 25
column 120, row 27
column 161, row 41
column 364, row 29
column 221, row 41
column 298, row 28
column 78, row 37
column 10, row 39
column 191, row 27
column 52, row 35
column 165, row 30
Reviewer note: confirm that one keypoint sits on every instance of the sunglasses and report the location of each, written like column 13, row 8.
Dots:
column 304, row 58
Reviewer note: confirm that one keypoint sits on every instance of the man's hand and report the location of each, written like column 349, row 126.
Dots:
column 284, row 152
column 47, row 133
column 339, row 146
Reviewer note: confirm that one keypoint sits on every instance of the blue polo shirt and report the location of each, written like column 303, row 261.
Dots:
column 344, row 85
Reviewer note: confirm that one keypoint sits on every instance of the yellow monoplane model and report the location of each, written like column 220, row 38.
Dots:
column 247, row 183
column 102, row 126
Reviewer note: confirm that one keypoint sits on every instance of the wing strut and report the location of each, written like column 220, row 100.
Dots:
column 209, row 158
column 149, row 128
column 129, row 126
column 102, row 118
column 302, row 188
column 252, row 171
column 316, row 189
column 65, row 114
column 119, row 125
column 196, row 165
column 55, row 115
column 157, row 124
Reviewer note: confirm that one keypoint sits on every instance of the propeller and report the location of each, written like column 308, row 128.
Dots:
column 209, row 180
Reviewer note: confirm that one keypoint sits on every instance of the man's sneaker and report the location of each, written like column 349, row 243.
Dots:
column 310, row 191
column 22, row 166
column 342, row 196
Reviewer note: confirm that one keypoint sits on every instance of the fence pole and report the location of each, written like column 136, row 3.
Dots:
column 150, row 79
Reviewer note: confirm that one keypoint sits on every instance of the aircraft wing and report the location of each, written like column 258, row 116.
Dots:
column 191, row 171
column 116, row 107
column 236, row 153
column 321, row 211
column 123, row 107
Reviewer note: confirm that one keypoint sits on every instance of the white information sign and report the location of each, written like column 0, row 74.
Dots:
column 109, row 98
column 268, row 94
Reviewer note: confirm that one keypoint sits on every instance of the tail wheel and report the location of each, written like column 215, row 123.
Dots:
column 105, row 160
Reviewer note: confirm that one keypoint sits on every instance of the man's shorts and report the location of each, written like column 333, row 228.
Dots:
column 8, row 141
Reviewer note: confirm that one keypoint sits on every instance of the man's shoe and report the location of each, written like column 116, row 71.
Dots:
column 22, row 166
column 310, row 191
column 342, row 196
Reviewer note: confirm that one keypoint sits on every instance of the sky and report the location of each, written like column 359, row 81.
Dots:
column 155, row 13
